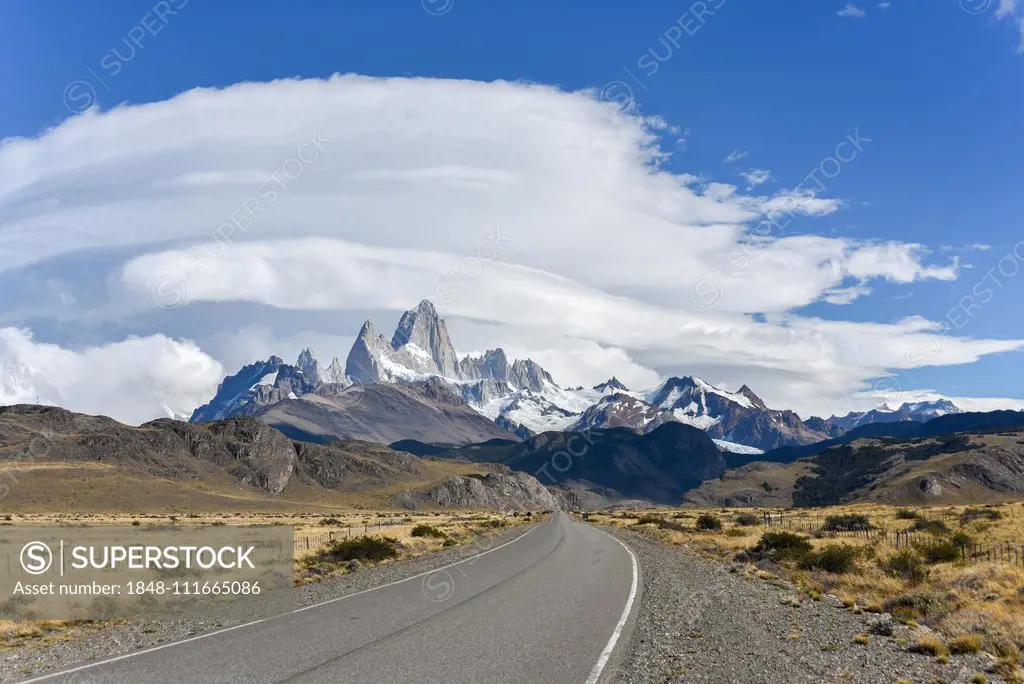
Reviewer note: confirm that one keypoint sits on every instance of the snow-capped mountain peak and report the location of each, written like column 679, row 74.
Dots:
column 519, row 394
column 919, row 411
column 611, row 385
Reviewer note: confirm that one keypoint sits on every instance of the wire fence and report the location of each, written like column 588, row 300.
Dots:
column 970, row 551
column 309, row 542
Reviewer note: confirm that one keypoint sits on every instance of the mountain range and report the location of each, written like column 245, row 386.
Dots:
column 415, row 385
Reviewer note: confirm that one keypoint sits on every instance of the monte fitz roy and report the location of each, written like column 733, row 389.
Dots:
column 416, row 386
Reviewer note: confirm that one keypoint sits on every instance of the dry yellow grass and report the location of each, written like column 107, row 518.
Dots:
column 978, row 605
column 44, row 486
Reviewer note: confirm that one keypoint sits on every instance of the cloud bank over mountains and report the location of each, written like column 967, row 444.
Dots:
column 534, row 218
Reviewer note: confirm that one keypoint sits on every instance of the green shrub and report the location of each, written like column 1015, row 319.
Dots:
column 847, row 523
column 906, row 514
column 672, row 525
column 708, row 523
column 835, row 558
column 973, row 514
column 370, row 549
column 423, row 530
column 962, row 540
column 660, row 522
column 940, row 552
column 782, row 545
column 747, row 519
column 905, row 564
column 933, row 526
column 331, row 522
column 918, row 605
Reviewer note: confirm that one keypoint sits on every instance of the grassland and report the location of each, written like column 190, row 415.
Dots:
column 95, row 487
column 964, row 606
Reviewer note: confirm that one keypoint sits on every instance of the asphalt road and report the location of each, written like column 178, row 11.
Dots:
column 553, row 605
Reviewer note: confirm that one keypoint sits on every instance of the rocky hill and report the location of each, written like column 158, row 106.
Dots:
column 957, row 468
column 658, row 466
column 226, row 463
column 946, row 424
column 426, row 410
column 505, row 490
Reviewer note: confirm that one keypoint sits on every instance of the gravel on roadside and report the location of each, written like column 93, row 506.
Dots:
column 702, row 621
column 92, row 642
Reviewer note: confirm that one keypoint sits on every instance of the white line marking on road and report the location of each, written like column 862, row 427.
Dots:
column 273, row 617
column 595, row 674
column 422, row 574
column 132, row 655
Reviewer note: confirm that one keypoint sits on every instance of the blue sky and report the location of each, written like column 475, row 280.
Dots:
column 936, row 87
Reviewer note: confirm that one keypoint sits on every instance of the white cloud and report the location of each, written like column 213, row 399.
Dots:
column 523, row 207
column 135, row 380
column 884, row 5
column 755, row 177
column 975, row 247
column 1007, row 9
column 851, row 10
column 846, row 295
column 735, row 156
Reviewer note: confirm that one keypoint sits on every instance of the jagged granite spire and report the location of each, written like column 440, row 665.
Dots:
column 309, row 366
column 425, row 329
column 363, row 362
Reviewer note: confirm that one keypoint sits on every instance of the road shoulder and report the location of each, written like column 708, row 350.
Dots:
column 700, row 621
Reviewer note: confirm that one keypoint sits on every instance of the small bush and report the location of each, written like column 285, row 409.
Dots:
column 736, row 532
column 782, row 545
column 847, row 523
column 423, row 530
column 965, row 644
column 973, row 514
column 940, row 552
column 708, row 523
column 862, row 639
column 906, row 514
column 933, row 526
column 371, row 549
column 918, row 605
column 747, row 520
column 660, row 522
column 962, row 540
column 672, row 525
column 837, row 559
column 928, row 646
column 905, row 564
column 767, row 487
column 331, row 522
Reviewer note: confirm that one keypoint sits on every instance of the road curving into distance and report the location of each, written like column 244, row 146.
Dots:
column 553, row 605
